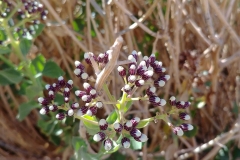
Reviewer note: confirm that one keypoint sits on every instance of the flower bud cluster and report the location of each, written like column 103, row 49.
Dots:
column 28, row 14
column 181, row 105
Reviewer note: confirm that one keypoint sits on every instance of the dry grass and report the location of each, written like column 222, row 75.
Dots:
column 198, row 42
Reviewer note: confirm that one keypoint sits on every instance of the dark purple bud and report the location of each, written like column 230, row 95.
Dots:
column 147, row 74
column 87, row 57
column 187, row 104
column 172, row 101
column 69, row 84
column 108, row 144
column 103, row 124
column 61, row 82
column 79, row 65
column 186, row 127
column 127, row 88
column 66, row 99
column 139, row 82
column 86, row 98
column 93, row 93
column 99, row 104
column 135, row 55
column 132, row 69
column 44, row 110
column 121, row 71
column 184, row 116
column 80, row 94
column 132, row 59
column 180, row 104
column 100, row 58
column 106, row 57
column 92, row 111
column 83, row 110
column 142, row 138
column 152, row 59
column 53, row 108
column 155, row 100
column 132, row 78
column 55, row 87
column 135, row 133
column 66, row 92
column 100, row 136
column 60, row 116
column 127, row 126
column 145, row 58
column 125, row 142
column 51, row 95
column 87, row 87
column 43, row 101
column 151, row 91
column 135, row 121
column 75, row 105
column 118, row 127
column 178, row 131
column 160, row 82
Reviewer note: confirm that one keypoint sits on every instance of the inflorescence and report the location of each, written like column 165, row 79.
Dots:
column 146, row 71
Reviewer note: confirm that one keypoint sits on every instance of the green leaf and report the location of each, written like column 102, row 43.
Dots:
column 112, row 117
column 78, row 142
column 143, row 123
column 128, row 105
column 52, row 70
column 38, row 29
column 26, row 108
column 10, row 76
column 25, row 46
column 83, row 154
column 37, row 64
column 33, row 90
column 91, row 128
column 222, row 154
column 55, row 139
column 4, row 50
column 191, row 133
column 135, row 145
column 2, row 35
column 236, row 153
column 117, row 156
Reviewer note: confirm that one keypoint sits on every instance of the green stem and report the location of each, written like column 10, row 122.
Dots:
column 7, row 61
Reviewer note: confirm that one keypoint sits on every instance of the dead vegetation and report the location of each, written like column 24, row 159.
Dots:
column 198, row 42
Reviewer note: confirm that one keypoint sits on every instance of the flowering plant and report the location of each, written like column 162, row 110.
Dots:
column 115, row 130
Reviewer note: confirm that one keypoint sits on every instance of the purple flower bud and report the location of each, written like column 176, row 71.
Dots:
column 151, row 91
column 132, row 78
column 186, row 127
column 155, row 100
column 135, row 55
column 99, row 104
column 53, row 108
column 172, row 101
column 80, row 94
column 127, row 88
column 60, row 116
column 103, row 124
column 106, row 56
column 83, row 110
column 160, row 82
column 118, row 127
column 93, row 93
column 44, row 110
column 141, row 68
column 69, row 84
column 78, row 72
column 125, row 142
column 87, row 87
column 178, row 131
column 132, row 69
column 66, row 99
column 79, row 65
column 56, row 87
column 43, row 101
column 108, row 144
column 121, row 71
column 187, row 104
column 51, row 95
column 86, row 98
column 61, row 82
column 184, row 116
column 100, row 136
column 139, row 82
column 92, row 111
column 147, row 74
column 180, row 104
column 100, row 58
column 66, row 92
column 152, row 59
column 127, row 126
column 145, row 58
column 87, row 58
column 132, row 59
column 75, row 105
column 142, row 138
column 70, row 112
column 135, row 121
column 135, row 133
